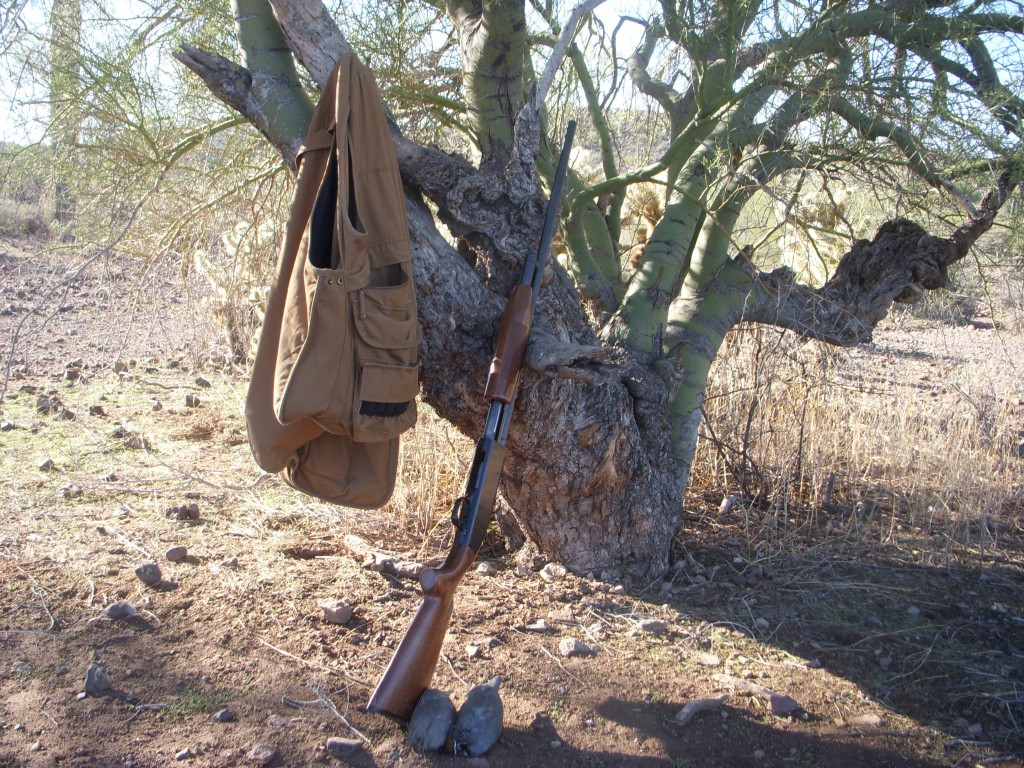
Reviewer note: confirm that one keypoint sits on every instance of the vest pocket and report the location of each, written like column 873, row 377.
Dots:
column 319, row 383
column 387, row 336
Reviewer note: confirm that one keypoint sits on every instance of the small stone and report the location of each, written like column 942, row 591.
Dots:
column 538, row 626
column 97, row 410
column 617, row 589
column 191, row 401
column 653, row 626
column 562, row 616
column 21, row 668
column 49, row 406
column 782, row 705
column 572, row 648
column 184, row 754
column 885, row 662
column 523, row 572
column 176, row 554
column 342, row 748
column 553, row 572
column 261, row 754
column 120, row 610
column 7, row 426
column 224, row 716
column 762, row 624
column 486, row 569
column 231, row 562
column 276, row 721
column 36, row 746
column 707, row 659
column 97, row 682
column 870, row 719
column 913, row 611
column 71, row 491
column 149, row 574
column 336, row 611
column 202, row 383
column 47, row 465
column 183, row 512
column 975, row 729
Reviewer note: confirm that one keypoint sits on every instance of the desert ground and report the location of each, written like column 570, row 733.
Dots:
column 837, row 633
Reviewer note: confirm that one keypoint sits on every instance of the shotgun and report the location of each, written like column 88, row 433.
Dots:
column 412, row 667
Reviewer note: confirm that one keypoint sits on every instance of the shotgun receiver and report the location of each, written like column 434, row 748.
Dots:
column 412, row 667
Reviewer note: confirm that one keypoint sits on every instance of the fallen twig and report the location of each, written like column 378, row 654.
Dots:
column 782, row 705
column 382, row 562
column 325, row 701
column 691, row 710
column 42, row 601
column 145, row 708
column 311, row 665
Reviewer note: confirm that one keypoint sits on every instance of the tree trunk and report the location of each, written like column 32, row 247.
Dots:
column 65, row 112
column 587, row 474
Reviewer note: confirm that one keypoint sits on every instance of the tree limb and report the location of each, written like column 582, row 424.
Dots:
column 232, row 84
column 898, row 265
column 561, row 47
column 871, row 128
column 312, row 35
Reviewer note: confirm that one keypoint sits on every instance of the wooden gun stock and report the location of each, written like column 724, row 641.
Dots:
column 412, row 667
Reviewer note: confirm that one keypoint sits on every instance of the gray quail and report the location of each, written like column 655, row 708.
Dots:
column 479, row 722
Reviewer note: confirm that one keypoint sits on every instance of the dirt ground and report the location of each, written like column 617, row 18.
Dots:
column 119, row 417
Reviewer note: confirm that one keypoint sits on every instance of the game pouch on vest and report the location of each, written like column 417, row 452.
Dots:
column 336, row 374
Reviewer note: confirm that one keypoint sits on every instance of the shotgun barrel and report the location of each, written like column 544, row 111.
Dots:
column 412, row 666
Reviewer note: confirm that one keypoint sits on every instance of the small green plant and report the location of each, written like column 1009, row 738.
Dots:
column 193, row 701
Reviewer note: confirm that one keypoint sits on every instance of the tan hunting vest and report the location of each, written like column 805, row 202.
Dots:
column 336, row 375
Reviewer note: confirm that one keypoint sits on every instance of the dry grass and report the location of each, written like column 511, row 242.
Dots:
column 912, row 440
column 432, row 468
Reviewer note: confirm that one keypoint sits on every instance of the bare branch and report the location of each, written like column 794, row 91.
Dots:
column 560, row 49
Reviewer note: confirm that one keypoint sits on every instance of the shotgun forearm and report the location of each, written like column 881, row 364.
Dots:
column 510, row 346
